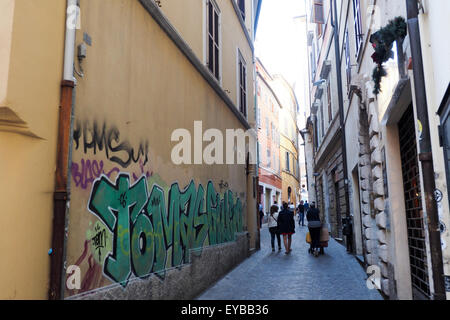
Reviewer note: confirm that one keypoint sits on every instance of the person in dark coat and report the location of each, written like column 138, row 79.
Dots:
column 348, row 232
column 261, row 215
column 301, row 214
column 286, row 225
column 314, row 226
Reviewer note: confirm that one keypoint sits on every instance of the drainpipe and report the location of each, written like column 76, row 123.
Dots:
column 425, row 152
column 334, row 24
column 60, row 195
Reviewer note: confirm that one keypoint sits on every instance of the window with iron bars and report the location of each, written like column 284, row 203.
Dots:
column 358, row 26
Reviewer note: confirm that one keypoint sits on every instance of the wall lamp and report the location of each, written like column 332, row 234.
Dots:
column 318, row 83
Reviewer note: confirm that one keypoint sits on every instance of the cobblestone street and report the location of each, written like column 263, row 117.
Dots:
column 268, row 275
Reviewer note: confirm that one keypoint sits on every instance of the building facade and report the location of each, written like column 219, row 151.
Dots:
column 329, row 176
column 268, row 114
column 394, row 175
column 289, row 138
column 29, row 100
column 122, row 97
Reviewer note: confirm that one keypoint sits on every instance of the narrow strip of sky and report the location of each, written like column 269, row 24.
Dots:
column 277, row 42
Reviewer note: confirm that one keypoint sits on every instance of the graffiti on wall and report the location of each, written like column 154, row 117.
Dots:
column 102, row 138
column 86, row 171
column 93, row 277
column 152, row 230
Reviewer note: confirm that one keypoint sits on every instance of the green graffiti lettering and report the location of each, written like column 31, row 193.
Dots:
column 200, row 219
column 146, row 232
column 157, row 210
column 115, row 205
column 142, row 246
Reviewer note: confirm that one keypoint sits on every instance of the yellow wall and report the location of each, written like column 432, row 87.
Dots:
column 6, row 22
column 288, row 179
column 137, row 81
column 188, row 18
column 27, row 164
column 436, row 67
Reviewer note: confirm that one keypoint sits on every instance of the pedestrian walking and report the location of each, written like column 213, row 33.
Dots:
column 348, row 233
column 314, row 226
column 301, row 213
column 306, row 206
column 286, row 225
column 292, row 207
column 273, row 226
column 261, row 215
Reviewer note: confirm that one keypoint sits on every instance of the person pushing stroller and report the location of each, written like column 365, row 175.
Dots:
column 314, row 226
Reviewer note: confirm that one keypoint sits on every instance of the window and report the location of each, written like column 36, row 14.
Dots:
column 287, row 161
column 358, row 25
column 242, row 85
column 278, row 164
column 316, row 133
column 267, row 127
column 330, row 109
column 318, row 14
column 293, row 165
column 259, row 117
column 313, row 61
column 241, row 5
column 259, row 153
column 273, row 131
column 322, row 131
column 269, row 158
column 347, row 59
column 213, row 39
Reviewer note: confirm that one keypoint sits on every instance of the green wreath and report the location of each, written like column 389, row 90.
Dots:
column 382, row 42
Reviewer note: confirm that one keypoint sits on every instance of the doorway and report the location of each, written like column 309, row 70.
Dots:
column 358, row 215
column 413, row 206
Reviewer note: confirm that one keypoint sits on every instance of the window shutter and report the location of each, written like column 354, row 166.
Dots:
column 318, row 14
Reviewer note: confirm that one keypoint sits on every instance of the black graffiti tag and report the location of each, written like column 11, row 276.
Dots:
column 97, row 137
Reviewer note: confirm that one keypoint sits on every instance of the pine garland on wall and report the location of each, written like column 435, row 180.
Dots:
column 382, row 42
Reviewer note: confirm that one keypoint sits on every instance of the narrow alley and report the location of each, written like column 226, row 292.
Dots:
column 271, row 275
column 144, row 142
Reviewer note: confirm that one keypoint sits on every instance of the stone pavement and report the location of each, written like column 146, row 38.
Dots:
column 268, row 275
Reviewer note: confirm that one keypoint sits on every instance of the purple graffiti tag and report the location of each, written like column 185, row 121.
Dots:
column 87, row 171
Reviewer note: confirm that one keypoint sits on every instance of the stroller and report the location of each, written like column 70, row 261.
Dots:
column 324, row 238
